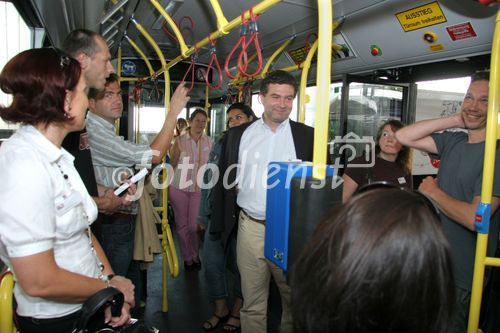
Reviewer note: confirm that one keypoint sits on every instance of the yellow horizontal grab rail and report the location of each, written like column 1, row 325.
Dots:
column 132, row 79
column 490, row 261
column 173, row 25
column 257, row 9
column 274, row 55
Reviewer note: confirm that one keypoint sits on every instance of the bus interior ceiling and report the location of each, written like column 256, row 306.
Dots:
column 401, row 47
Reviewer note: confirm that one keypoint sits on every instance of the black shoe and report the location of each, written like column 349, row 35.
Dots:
column 189, row 267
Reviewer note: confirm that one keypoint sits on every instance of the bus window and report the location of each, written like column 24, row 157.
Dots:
column 15, row 36
column 149, row 120
column 369, row 106
column 218, row 119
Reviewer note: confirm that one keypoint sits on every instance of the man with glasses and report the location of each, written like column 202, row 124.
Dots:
column 457, row 189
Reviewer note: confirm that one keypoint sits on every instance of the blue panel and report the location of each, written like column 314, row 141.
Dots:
column 280, row 175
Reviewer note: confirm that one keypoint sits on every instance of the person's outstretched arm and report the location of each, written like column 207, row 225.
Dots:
column 418, row 135
column 161, row 143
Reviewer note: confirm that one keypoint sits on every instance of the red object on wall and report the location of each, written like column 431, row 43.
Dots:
column 435, row 163
column 461, row 31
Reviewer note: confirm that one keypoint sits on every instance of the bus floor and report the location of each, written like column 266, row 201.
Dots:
column 188, row 304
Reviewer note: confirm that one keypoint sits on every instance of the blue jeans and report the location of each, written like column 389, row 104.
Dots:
column 118, row 232
column 216, row 262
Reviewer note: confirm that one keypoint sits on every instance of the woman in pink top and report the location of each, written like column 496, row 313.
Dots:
column 189, row 152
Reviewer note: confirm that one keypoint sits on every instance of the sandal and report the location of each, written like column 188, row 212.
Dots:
column 231, row 328
column 208, row 326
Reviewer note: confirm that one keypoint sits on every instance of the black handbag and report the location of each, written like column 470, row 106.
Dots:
column 91, row 316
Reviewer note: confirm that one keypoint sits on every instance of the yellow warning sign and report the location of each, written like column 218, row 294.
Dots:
column 421, row 17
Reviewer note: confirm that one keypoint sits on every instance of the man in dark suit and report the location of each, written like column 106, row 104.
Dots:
column 240, row 193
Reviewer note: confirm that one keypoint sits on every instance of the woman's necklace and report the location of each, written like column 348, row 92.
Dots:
column 86, row 218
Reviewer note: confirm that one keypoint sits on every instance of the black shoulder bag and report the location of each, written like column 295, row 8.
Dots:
column 91, row 317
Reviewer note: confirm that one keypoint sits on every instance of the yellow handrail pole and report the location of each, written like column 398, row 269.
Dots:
column 305, row 72
column 143, row 56
column 6, row 306
column 221, row 19
column 169, row 253
column 172, row 25
column 118, row 73
column 169, row 250
column 132, row 79
column 274, row 55
column 257, row 9
column 303, row 81
column 207, row 103
column 488, row 174
column 323, row 87
column 241, row 80
column 151, row 42
column 119, row 63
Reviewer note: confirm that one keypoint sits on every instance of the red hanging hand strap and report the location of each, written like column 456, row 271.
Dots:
column 213, row 59
column 254, row 38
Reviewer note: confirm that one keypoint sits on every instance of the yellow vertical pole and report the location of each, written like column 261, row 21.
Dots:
column 487, row 185
column 142, row 54
column 6, row 303
column 164, row 220
column 118, row 73
column 169, row 252
column 323, row 87
column 303, row 82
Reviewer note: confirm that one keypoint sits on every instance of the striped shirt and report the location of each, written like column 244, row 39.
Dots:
column 111, row 154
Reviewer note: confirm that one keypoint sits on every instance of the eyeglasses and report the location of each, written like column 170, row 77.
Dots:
column 386, row 185
column 64, row 59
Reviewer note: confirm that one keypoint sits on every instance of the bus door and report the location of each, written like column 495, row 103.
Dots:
column 359, row 106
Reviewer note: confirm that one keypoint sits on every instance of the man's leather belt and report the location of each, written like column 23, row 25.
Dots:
column 252, row 219
column 116, row 216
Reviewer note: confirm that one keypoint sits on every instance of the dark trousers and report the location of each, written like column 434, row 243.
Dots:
column 53, row 325
column 462, row 310
column 118, row 232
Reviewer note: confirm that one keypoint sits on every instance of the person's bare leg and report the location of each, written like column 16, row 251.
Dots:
column 233, row 323
column 221, row 312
